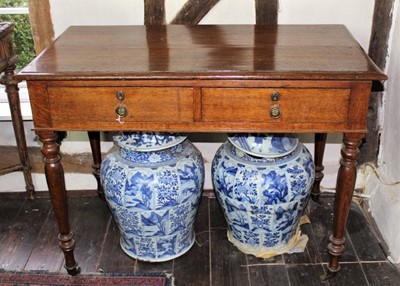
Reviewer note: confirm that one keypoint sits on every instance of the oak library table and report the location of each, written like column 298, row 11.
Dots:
column 176, row 78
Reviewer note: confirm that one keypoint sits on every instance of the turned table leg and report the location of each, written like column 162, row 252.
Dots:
column 94, row 138
column 319, row 149
column 344, row 190
column 55, row 180
column 18, row 126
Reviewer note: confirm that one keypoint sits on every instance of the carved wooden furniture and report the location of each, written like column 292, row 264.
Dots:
column 8, row 59
column 202, row 79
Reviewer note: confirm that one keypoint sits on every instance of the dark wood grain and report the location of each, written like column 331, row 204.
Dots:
column 300, row 275
column 22, row 233
column 193, row 11
column 149, row 267
column 154, row 12
column 382, row 274
column 363, row 239
column 9, row 211
column 89, row 230
column 269, row 275
column 46, row 255
column 232, row 268
column 289, row 52
column 310, row 254
column 319, row 149
column 345, row 187
column 266, row 12
column 378, row 51
column 321, row 217
column 381, row 27
column 193, row 268
column 53, row 170
column 227, row 262
column 94, row 139
column 119, row 261
column 42, row 254
column 217, row 219
column 351, row 274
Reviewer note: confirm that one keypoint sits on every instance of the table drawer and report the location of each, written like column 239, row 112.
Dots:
column 142, row 104
column 290, row 105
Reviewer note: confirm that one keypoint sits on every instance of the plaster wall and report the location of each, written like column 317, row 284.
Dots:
column 389, row 157
column 383, row 184
column 130, row 12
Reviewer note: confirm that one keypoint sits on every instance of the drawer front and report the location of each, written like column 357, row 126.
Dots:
column 267, row 105
column 142, row 104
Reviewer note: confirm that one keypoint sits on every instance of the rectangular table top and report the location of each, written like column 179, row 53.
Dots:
column 312, row 52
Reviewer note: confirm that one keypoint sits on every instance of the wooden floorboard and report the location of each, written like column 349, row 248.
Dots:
column 9, row 210
column 28, row 242
column 22, row 235
column 89, row 223
column 269, row 275
column 310, row 254
column 46, row 255
column 362, row 237
column 321, row 217
column 228, row 265
column 306, row 274
column 382, row 273
column 112, row 258
column 350, row 274
column 193, row 268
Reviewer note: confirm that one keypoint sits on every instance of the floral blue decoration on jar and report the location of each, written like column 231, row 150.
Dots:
column 263, row 182
column 268, row 145
column 153, row 186
column 148, row 141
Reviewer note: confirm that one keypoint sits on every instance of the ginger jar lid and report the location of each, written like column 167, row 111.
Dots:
column 148, row 141
column 265, row 145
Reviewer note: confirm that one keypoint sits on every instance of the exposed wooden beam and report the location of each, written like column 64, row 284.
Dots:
column 381, row 26
column 154, row 12
column 42, row 25
column 378, row 51
column 193, row 11
column 266, row 12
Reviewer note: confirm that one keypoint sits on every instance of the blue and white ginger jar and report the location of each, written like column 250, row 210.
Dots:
column 153, row 185
column 262, row 183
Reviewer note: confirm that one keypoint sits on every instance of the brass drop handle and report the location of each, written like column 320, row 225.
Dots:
column 275, row 111
column 121, row 110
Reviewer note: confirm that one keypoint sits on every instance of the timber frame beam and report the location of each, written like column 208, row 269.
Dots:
column 42, row 24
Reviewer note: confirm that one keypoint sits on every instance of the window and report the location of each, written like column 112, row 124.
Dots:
column 17, row 11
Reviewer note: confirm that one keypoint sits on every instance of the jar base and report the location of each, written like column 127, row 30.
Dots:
column 296, row 244
column 163, row 259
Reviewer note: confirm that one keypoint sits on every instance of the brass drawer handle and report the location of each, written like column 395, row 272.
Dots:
column 275, row 111
column 121, row 110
